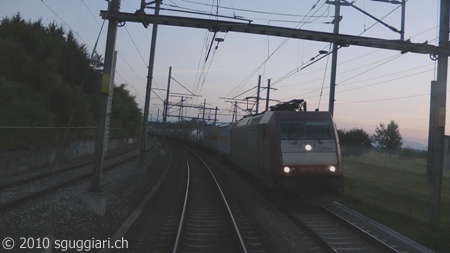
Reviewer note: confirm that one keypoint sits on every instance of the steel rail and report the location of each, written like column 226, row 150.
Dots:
column 51, row 173
column 309, row 231
column 375, row 241
column 230, row 213
column 183, row 213
column 383, row 228
column 45, row 191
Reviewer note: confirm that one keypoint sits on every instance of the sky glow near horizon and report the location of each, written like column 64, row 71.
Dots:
column 373, row 85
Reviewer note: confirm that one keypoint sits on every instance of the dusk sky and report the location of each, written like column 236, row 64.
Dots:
column 373, row 85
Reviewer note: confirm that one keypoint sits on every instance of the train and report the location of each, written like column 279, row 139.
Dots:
column 295, row 150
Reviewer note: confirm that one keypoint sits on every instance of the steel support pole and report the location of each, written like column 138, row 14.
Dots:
column 402, row 29
column 107, row 82
column 215, row 116
column 204, row 106
column 257, row 95
column 336, row 21
column 436, row 133
column 180, row 115
column 142, row 160
column 268, row 95
column 234, row 112
column 166, row 109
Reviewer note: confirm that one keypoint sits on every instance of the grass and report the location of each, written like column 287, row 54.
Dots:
column 396, row 193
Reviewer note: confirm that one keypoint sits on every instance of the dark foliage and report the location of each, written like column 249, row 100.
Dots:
column 47, row 79
column 388, row 137
column 125, row 113
column 354, row 142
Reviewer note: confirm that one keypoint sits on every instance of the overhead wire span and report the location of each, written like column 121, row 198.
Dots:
column 395, row 79
column 182, row 86
column 324, row 74
column 78, row 96
column 302, row 67
column 137, row 49
column 392, row 74
column 200, row 73
column 87, row 69
column 207, row 71
column 365, row 86
column 120, row 54
column 250, row 11
column 89, row 10
column 244, row 92
column 377, row 66
column 293, row 72
column 385, row 99
column 236, row 89
column 126, row 82
column 65, row 23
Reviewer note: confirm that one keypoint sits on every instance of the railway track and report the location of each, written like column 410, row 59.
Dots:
column 339, row 229
column 374, row 229
column 207, row 223
column 21, row 191
column 192, row 213
column 24, row 179
column 335, row 236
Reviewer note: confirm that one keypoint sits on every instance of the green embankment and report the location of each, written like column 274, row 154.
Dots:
column 396, row 193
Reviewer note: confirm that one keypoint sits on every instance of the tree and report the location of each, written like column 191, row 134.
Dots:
column 48, row 79
column 354, row 141
column 355, row 138
column 389, row 137
column 125, row 113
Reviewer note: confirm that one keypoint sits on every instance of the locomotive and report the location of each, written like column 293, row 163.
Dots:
column 285, row 149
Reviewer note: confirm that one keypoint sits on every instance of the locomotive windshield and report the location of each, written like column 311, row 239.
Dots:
column 305, row 130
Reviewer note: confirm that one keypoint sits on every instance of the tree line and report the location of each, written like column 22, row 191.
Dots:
column 386, row 137
column 48, row 79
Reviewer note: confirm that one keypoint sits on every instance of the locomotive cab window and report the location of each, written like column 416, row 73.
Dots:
column 305, row 130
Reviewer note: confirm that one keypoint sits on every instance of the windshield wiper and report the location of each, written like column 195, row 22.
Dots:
column 317, row 139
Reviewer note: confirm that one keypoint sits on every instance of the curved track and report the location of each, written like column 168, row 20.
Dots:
column 207, row 223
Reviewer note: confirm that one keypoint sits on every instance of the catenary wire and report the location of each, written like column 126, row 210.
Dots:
column 247, row 79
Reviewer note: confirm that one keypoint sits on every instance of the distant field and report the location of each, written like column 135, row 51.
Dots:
column 395, row 191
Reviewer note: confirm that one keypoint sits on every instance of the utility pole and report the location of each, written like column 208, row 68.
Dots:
column 436, row 133
column 142, row 160
column 257, row 95
column 157, row 117
column 204, row 106
column 166, row 109
column 180, row 115
column 402, row 29
column 95, row 199
column 336, row 21
column 268, row 95
column 215, row 116
column 235, row 112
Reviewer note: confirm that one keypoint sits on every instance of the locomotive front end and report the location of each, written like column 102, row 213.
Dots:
column 310, row 154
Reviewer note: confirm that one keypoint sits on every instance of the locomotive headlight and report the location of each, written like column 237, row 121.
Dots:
column 287, row 170
column 332, row 169
column 308, row 147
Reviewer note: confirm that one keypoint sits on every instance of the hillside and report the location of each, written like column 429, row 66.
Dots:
column 47, row 79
